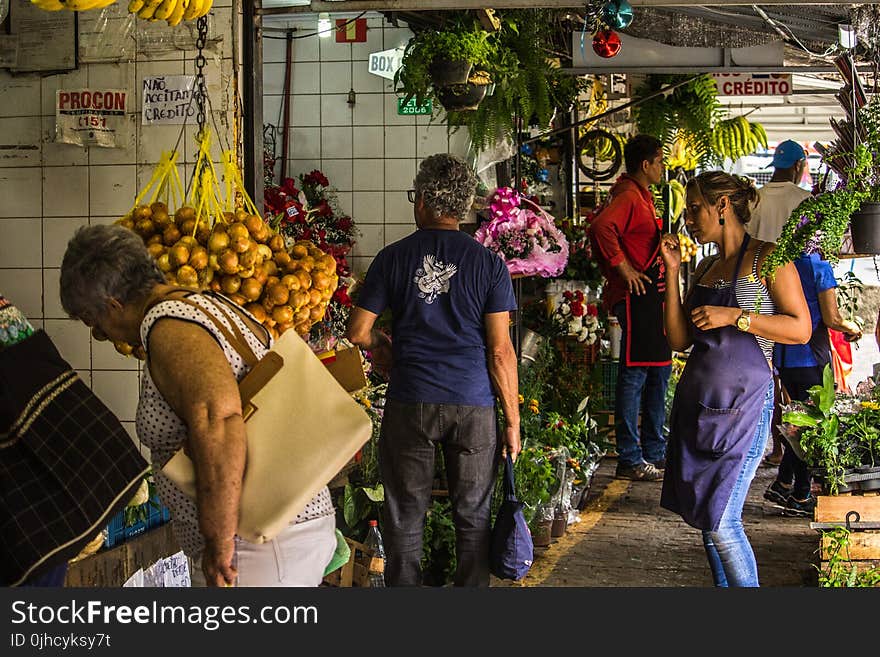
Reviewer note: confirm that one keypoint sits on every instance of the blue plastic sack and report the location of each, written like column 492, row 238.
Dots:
column 511, row 550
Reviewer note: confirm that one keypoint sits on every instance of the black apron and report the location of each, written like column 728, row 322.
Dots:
column 646, row 344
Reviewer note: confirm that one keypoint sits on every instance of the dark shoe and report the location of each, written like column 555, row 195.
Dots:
column 777, row 493
column 803, row 508
column 639, row 472
column 660, row 464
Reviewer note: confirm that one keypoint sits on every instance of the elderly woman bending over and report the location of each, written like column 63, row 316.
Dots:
column 189, row 398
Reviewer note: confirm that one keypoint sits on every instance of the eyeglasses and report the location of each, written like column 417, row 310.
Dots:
column 411, row 195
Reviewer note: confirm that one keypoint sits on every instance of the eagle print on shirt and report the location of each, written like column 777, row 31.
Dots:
column 433, row 278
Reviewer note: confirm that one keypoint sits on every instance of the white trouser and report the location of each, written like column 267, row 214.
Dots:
column 296, row 557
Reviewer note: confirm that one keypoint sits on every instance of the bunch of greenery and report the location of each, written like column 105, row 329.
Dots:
column 438, row 545
column 840, row 571
column 463, row 40
column 527, row 87
column 824, row 437
column 689, row 112
column 820, row 222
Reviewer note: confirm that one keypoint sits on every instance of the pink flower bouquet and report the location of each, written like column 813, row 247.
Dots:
column 525, row 236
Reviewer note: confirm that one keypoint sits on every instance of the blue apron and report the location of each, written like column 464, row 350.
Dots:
column 715, row 413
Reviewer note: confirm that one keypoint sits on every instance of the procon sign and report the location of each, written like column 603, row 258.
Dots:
column 753, row 84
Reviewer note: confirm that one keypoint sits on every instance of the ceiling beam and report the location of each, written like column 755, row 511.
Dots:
column 444, row 5
column 667, row 70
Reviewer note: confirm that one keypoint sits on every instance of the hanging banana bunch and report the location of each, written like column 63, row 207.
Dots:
column 171, row 11
column 737, row 137
column 683, row 153
column 71, row 5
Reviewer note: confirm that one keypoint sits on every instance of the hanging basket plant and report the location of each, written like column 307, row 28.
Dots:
column 467, row 96
column 434, row 59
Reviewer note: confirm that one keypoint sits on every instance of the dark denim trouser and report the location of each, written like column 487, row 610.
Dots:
column 639, row 389
column 468, row 436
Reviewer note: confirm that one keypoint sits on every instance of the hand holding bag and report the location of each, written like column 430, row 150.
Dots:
column 302, row 428
column 511, row 550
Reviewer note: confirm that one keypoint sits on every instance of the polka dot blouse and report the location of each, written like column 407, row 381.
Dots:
column 160, row 428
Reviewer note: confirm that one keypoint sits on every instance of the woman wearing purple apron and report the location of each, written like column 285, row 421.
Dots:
column 724, row 400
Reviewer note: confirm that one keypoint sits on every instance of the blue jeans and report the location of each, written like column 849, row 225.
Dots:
column 468, row 436
column 730, row 553
column 639, row 389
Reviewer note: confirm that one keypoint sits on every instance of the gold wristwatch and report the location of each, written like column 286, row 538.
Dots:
column 744, row 321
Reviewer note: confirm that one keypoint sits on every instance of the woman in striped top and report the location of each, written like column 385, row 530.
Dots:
column 723, row 403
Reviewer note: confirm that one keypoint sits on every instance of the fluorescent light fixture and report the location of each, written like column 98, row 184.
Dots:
column 846, row 35
column 325, row 29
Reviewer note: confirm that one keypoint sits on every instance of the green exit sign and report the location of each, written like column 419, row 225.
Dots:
column 411, row 108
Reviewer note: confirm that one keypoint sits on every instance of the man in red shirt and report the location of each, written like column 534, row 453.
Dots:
column 625, row 238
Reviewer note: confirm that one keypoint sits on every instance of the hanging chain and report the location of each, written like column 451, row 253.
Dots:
column 201, row 62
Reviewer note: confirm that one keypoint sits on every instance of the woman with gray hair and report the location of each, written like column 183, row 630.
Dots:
column 450, row 300
column 189, row 398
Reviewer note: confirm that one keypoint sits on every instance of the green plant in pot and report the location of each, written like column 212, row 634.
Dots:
column 822, row 442
column 865, row 222
column 819, row 224
column 440, row 58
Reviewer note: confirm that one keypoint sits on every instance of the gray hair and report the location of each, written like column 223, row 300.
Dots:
column 104, row 262
column 446, row 184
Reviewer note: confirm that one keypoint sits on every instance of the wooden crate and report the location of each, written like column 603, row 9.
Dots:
column 862, row 546
column 833, row 508
column 356, row 571
column 861, row 566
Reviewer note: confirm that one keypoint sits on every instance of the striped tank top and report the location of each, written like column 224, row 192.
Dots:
column 752, row 294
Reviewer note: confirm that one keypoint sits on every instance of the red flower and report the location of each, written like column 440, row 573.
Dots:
column 288, row 186
column 577, row 309
column 341, row 296
column 324, row 209
column 567, row 295
column 592, row 310
column 344, row 224
column 316, row 178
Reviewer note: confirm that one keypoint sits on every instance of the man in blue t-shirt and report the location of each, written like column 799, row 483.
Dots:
column 800, row 368
column 450, row 301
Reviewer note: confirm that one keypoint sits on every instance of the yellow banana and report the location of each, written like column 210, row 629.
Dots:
column 134, row 6
column 165, row 9
column 48, row 5
column 206, row 7
column 147, row 12
column 79, row 5
column 192, row 9
column 177, row 15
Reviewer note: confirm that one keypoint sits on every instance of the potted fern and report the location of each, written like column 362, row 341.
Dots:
column 435, row 59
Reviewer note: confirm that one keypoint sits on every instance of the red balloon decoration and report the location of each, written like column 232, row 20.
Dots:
column 606, row 43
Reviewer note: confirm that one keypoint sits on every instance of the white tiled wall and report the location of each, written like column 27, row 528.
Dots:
column 368, row 152
column 50, row 189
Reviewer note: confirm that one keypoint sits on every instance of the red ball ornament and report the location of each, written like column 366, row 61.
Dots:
column 606, row 43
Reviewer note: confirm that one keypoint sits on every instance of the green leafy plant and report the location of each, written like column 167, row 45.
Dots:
column 438, row 545
column 464, row 41
column 849, row 292
column 819, row 223
column 688, row 112
column 840, row 571
column 820, row 437
column 528, row 88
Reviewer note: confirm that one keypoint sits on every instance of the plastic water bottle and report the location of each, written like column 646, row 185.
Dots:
column 377, row 547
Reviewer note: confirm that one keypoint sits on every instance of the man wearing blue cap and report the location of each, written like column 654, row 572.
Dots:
column 776, row 200
column 781, row 195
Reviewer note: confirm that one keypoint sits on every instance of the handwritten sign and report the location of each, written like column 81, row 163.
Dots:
column 168, row 99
